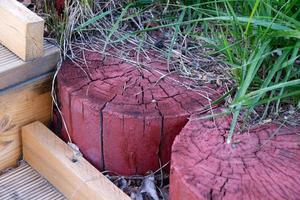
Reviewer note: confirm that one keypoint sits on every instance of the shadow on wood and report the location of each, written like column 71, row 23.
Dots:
column 54, row 159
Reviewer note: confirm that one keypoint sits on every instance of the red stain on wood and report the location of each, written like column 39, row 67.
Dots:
column 59, row 5
column 123, row 118
column 203, row 166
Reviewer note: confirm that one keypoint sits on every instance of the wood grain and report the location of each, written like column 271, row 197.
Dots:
column 13, row 70
column 21, row 30
column 24, row 182
column 262, row 162
column 125, row 119
column 52, row 158
column 19, row 106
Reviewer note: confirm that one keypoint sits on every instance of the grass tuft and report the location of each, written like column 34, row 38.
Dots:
column 256, row 42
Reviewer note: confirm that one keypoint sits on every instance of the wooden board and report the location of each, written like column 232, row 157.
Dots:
column 19, row 106
column 14, row 71
column 21, row 30
column 24, row 182
column 52, row 158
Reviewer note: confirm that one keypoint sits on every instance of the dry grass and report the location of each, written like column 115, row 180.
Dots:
column 117, row 28
column 111, row 37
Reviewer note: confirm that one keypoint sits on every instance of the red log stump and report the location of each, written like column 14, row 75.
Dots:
column 123, row 118
column 254, row 166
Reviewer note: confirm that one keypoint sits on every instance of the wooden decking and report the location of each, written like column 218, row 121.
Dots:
column 73, row 176
column 24, row 97
column 14, row 71
column 25, row 183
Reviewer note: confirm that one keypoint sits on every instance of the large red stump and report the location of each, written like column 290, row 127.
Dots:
column 255, row 166
column 123, row 118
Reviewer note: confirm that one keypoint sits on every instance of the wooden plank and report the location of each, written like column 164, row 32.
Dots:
column 19, row 106
column 52, row 158
column 24, row 182
column 21, row 30
column 13, row 70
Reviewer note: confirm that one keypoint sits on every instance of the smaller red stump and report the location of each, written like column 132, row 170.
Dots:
column 203, row 166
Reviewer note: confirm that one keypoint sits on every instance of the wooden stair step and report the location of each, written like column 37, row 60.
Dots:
column 14, row 70
column 25, row 96
column 24, row 182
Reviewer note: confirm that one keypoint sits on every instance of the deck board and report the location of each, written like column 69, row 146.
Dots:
column 25, row 183
column 14, row 71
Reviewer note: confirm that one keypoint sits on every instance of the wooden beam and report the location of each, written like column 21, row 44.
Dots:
column 21, row 30
column 13, row 70
column 19, row 106
column 53, row 159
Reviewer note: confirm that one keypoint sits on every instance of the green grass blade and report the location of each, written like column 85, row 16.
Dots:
column 92, row 20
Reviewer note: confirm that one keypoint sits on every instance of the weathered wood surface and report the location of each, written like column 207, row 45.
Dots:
column 124, row 119
column 21, row 30
column 19, row 106
column 25, row 183
column 260, row 164
column 54, row 159
column 14, row 71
